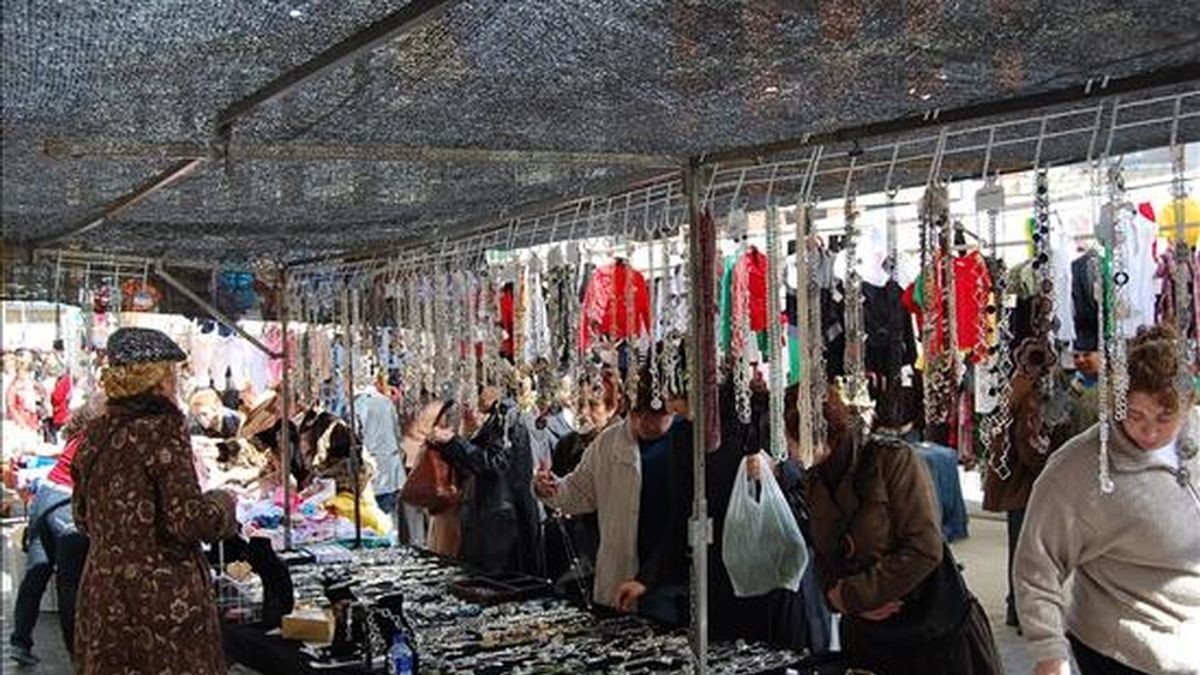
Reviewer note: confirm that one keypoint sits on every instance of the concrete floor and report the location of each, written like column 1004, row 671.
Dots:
column 984, row 555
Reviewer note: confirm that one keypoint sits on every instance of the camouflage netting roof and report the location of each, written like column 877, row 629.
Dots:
column 123, row 89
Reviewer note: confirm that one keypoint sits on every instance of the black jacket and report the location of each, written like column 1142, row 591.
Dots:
column 500, row 516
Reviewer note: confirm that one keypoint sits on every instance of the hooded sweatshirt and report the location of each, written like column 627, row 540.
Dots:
column 1133, row 554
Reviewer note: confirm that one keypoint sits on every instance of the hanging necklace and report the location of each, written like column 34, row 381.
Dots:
column 739, row 344
column 675, row 319
column 1104, row 393
column 775, row 264
column 1184, row 313
column 1121, row 213
column 995, row 427
column 633, row 374
column 1044, row 316
column 818, row 379
column 935, row 211
column 654, row 358
column 856, row 381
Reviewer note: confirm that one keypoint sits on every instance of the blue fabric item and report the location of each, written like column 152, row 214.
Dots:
column 38, row 566
column 388, row 503
column 654, row 508
column 943, row 468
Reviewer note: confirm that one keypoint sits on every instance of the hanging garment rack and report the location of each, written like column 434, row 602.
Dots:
column 662, row 201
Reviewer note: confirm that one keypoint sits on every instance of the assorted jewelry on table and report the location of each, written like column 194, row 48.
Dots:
column 544, row 635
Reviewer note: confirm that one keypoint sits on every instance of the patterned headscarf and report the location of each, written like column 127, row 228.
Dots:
column 135, row 379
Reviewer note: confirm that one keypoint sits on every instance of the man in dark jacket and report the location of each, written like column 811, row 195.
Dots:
column 500, row 517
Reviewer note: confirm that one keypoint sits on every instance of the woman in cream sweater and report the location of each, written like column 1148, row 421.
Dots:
column 1133, row 553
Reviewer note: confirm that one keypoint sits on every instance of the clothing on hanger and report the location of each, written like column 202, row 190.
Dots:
column 1138, row 294
column 972, row 285
column 1086, row 317
column 605, row 309
column 891, row 341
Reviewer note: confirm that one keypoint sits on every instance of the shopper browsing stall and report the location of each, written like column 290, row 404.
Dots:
column 55, row 548
column 499, row 521
column 210, row 418
column 379, row 426
column 886, row 568
column 599, row 408
column 636, row 477
column 1133, row 552
column 146, row 602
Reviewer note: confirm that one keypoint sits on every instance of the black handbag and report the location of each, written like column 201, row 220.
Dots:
column 936, row 609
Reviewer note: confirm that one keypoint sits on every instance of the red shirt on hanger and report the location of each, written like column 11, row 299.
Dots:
column 972, row 286
column 606, row 307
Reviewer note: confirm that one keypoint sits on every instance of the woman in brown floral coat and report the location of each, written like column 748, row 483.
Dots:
column 146, row 604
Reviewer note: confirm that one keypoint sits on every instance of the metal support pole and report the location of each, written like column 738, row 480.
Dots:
column 355, row 445
column 700, row 344
column 285, row 442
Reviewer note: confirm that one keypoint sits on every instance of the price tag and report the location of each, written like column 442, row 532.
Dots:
column 990, row 197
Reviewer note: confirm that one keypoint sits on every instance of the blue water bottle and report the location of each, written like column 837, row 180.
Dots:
column 400, row 657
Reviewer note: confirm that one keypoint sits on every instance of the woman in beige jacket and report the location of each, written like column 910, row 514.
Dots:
column 1133, row 553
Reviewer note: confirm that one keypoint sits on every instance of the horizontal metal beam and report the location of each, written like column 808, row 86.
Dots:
column 407, row 19
column 939, row 118
column 113, row 148
column 485, row 224
column 123, row 203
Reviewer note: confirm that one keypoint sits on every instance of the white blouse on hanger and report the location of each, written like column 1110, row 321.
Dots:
column 1139, row 292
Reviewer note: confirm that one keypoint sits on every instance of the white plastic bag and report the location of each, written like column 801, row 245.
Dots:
column 762, row 546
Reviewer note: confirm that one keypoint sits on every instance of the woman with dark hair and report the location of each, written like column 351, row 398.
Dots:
column 146, row 602
column 1121, row 519
column 880, row 553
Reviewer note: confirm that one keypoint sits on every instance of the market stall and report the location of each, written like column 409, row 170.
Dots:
column 435, row 259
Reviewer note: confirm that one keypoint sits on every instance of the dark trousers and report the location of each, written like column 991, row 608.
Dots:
column 1015, row 520
column 69, row 557
column 666, row 605
column 28, row 605
column 1092, row 662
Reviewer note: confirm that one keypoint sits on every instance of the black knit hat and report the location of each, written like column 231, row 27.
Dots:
column 128, row 346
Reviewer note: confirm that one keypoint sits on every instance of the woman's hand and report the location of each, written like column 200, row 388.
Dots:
column 886, row 612
column 838, row 603
column 1053, row 667
column 440, row 436
column 628, row 595
column 545, row 485
column 835, row 598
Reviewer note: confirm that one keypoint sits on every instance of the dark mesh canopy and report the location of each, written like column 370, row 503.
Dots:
column 492, row 105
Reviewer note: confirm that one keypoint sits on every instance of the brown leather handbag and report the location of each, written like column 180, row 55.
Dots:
column 434, row 483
